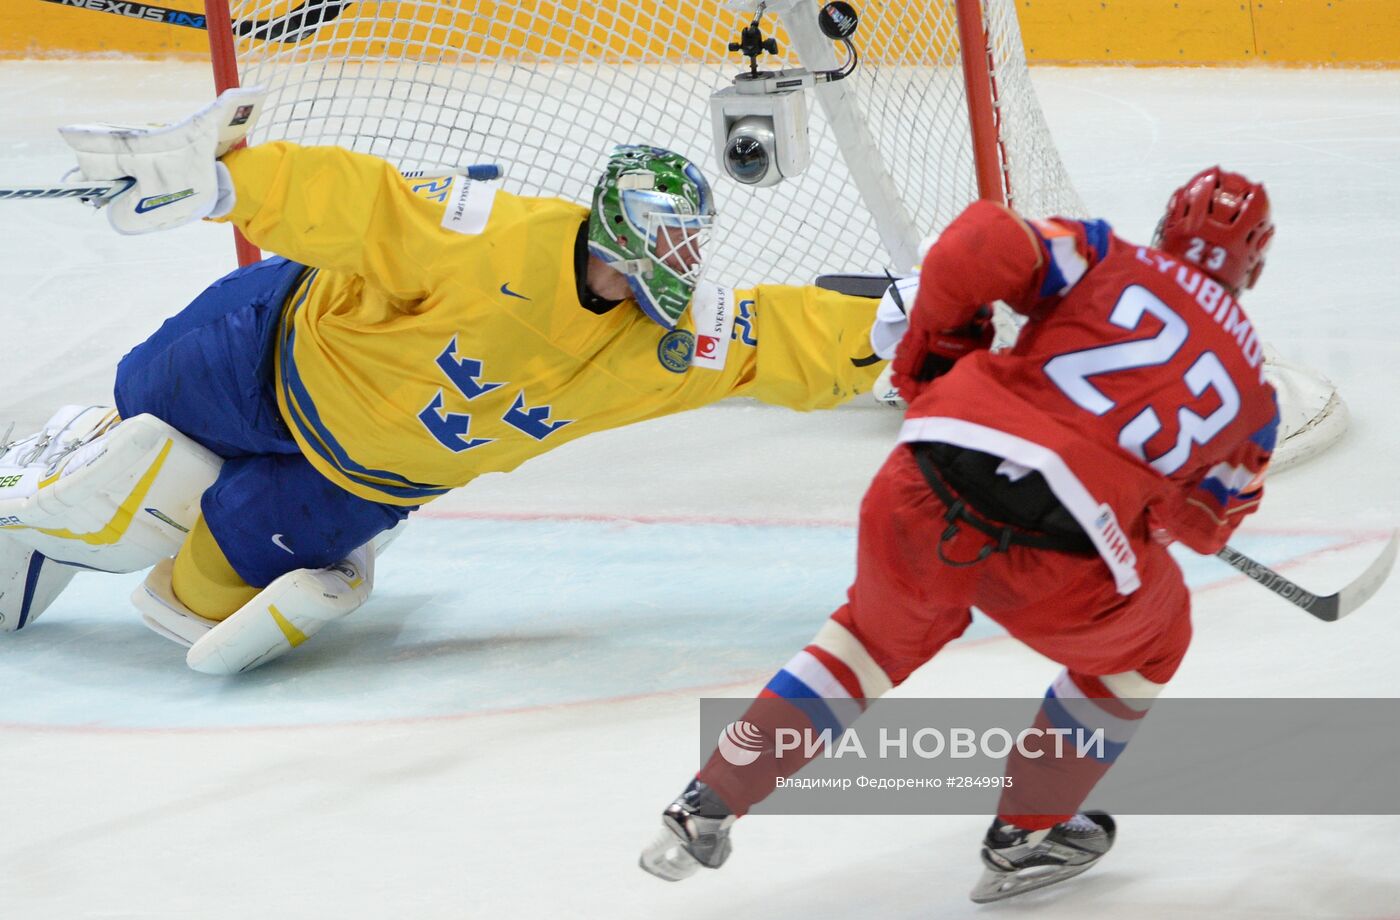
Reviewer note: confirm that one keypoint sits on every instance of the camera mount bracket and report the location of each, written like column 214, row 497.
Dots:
column 837, row 20
column 760, row 119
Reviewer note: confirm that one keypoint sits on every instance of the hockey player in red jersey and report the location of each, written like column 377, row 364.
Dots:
column 1042, row 485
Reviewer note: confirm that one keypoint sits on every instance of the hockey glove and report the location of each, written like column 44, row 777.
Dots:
column 178, row 179
column 918, row 362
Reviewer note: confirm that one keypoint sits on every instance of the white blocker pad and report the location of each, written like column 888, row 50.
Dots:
column 29, row 582
column 284, row 615
column 119, row 503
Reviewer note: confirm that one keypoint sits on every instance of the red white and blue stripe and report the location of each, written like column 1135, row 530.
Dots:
column 1115, row 704
column 830, row 680
column 1071, row 248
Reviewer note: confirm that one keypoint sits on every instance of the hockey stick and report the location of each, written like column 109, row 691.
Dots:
column 295, row 24
column 1327, row 607
column 290, row 28
column 95, row 193
column 100, row 192
column 142, row 11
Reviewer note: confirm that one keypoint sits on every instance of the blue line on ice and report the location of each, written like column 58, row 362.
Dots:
column 483, row 615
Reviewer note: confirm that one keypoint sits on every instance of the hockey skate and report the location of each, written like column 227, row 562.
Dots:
column 694, row 833
column 69, row 429
column 1019, row 860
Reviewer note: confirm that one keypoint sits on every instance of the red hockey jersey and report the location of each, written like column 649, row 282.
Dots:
column 1136, row 387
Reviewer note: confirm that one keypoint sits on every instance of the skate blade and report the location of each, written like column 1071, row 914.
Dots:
column 667, row 859
column 998, row 886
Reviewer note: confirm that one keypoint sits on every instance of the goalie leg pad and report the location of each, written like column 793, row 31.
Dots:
column 163, row 612
column 284, row 615
column 29, row 582
column 119, row 502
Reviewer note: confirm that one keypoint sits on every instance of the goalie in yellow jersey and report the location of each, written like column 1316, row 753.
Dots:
column 398, row 347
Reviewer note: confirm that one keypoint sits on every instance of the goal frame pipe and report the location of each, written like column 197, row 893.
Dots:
column 841, row 104
column 219, row 25
column 975, row 50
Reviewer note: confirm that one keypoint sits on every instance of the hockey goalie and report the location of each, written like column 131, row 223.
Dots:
column 406, row 339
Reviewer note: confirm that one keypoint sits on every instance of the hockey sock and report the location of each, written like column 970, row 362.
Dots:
column 203, row 579
column 818, row 693
column 1094, row 724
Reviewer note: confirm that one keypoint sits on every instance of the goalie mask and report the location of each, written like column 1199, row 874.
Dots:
column 652, row 215
column 1220, row 222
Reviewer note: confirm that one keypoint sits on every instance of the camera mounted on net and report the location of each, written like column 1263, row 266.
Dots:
column 760, row 122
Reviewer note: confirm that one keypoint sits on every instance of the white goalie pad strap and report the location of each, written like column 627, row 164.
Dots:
column 29, row 583
column 174, row 166
column 162, row 611
column 69, row 427
column 284, row 615
column 119, row 503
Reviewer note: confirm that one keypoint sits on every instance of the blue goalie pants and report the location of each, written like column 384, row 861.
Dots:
column 208, row 371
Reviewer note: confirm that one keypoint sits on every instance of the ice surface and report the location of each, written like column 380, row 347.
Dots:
column 495, row 733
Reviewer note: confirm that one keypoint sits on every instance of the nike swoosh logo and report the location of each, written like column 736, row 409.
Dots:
column 509, row 293
column 277, row 539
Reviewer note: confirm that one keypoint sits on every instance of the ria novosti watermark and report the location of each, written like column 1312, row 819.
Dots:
column 951, row 756
column 742, row 742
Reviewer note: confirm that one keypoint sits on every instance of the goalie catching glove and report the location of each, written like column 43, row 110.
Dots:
column 176, row 176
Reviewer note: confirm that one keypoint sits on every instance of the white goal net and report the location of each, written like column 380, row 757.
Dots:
column 545, row 88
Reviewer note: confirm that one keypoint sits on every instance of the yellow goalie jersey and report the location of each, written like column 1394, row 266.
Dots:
column 437, row 332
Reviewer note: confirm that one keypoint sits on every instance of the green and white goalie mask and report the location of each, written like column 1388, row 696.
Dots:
column 652, row 216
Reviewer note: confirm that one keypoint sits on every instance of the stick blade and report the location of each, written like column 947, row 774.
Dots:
column 1364, row 587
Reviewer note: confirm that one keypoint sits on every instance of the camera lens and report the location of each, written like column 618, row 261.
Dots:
column 746, row 159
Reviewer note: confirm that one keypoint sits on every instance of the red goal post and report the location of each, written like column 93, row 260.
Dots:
column 222, row 55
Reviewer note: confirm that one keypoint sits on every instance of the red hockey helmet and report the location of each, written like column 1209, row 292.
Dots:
column 1220, row 221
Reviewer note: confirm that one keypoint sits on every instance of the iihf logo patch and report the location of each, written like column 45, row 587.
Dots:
column 740, row 743
column 674, row 350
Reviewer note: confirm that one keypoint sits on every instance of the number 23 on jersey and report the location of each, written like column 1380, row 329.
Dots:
column 1071, row 372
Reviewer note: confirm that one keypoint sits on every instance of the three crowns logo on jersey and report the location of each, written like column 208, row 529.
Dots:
column 451, row 429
